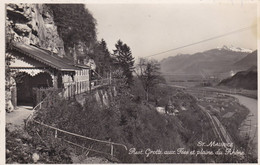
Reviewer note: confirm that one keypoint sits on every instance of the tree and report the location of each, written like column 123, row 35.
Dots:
column 125, row 61
column 75, row 24
column 102, row 58
column 9, row 37
column 148, row 71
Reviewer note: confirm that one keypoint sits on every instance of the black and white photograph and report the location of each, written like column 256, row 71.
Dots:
column 130, row 82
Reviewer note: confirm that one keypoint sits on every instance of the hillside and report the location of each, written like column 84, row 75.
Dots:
column 124, row 120
column 209, row 62
column 244, row 79
column 116, row 119
column 247, row 62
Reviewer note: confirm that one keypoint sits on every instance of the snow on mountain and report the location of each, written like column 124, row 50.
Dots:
column 235, row 49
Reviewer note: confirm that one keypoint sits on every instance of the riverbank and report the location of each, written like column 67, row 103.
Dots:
column 242, row 92
column 249, row 125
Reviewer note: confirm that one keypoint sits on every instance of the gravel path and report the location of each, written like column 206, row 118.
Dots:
column 18, row 116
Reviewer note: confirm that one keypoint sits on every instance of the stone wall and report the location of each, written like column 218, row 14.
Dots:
column 104, row 96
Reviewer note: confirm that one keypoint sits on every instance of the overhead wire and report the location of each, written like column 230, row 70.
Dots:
column 205, row 40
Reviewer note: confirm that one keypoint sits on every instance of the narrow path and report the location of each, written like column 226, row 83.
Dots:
column 18, row 116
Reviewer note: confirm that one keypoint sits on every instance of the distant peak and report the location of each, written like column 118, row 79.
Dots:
column 235, row 49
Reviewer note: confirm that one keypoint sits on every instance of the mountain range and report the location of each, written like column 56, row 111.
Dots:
column 236, row 49
column 219, row 61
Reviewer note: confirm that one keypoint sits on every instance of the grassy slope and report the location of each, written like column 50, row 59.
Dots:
column 129, row 120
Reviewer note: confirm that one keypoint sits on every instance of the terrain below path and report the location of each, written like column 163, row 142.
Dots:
column 218, row 128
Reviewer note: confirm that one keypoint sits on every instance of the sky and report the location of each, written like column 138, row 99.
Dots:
column 152, row 28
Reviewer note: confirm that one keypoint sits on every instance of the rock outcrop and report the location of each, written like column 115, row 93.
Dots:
column 103, row 96
column 33, row 24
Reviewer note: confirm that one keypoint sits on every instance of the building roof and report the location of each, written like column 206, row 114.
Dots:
column 82, row 66
column 46, row 57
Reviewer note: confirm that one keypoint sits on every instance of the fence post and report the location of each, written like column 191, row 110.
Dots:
column 56, row 133
column 110, row 82
column 112, row 150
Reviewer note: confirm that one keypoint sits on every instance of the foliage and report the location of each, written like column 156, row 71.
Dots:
column 77, row 28
column 44, row 93
column 125, row 61
column 103, row 58
column 8, row 71
column 138, row 90
column 12, row 77
column 8, row 58
column 75, row 24
column 148, row 72
column 125, row 121
column 20, row 146
column 132, row 121
column 233, row 123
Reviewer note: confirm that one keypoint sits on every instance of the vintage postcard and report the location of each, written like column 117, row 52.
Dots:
column 130, row 82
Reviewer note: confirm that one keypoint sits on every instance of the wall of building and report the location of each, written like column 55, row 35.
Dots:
column 68, row 84
column 25, row 84
column 82, row 80
column 76, row 84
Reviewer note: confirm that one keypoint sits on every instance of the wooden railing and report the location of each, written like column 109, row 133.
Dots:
column 39, row 107
column 112, row 144
column 99, row 82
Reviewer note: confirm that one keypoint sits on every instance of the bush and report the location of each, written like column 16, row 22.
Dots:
column 127, row 121
column 20, row 146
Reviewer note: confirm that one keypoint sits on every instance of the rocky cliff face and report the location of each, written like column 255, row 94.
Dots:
column 33, row 24
column 105, row 96
column 102, row 96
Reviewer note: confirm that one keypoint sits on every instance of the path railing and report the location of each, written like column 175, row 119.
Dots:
column 39, row 107
column 99, row 82
column 112, row 144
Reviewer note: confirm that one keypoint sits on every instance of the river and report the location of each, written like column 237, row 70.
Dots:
column 251, row 120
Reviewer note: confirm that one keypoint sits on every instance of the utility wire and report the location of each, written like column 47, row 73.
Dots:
column 212, row 38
